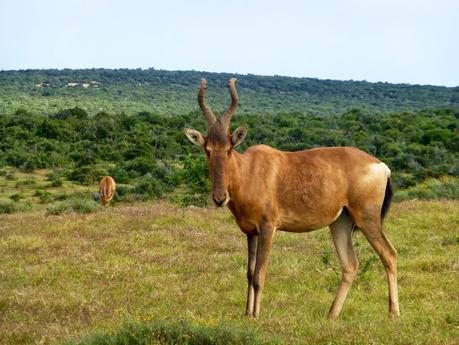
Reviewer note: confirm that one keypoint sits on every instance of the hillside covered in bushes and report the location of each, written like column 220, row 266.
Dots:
column 171, row 93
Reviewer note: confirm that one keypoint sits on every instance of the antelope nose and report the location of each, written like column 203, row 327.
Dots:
column 219, row 200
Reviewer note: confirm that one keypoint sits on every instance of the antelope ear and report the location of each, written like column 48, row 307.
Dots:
column 238, row 135
column 194, row 136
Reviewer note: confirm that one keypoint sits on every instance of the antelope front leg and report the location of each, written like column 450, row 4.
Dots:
column 265, row 239
column 252, row 241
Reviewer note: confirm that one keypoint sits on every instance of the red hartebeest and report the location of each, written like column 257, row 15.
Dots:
column 268, row 190
column 107, row 189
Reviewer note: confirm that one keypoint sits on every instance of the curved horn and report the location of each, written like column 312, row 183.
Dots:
column 226, row 118
column 211, row 119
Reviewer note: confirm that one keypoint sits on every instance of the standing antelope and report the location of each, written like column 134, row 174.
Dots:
column 268, row 190
column 107, row 189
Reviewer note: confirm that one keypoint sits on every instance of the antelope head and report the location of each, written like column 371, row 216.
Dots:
column 219, row 143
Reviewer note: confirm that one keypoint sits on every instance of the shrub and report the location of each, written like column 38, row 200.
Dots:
column 75, row 204
column 87, row 174
column 56, row 183
column 82, row 205
column 140, row 166
column 10, row 176
column 187, row 199
column 54, row 175
column 120, row 175
column 443, row 188
column 55, row 209
column 194, row 177
column 61, row 196
column 181, row 333
column 29, row 181
column 149, row 187
column 44, row 197
column 7, row 207
column 16, row 197
column 123, row 193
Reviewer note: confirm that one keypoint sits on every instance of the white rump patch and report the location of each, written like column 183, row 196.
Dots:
column 379, row 169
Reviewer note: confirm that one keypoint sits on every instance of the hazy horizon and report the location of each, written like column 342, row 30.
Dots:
column 222, row 72
column 409, row 42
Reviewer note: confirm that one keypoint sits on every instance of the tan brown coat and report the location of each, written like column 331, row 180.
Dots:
column 107, row 189
column 268, row 190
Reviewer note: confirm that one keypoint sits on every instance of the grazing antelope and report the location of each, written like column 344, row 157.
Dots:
column 107, row 189
column 268, row 190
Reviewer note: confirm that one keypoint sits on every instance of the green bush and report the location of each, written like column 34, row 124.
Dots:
column 29, row 181
column 82, row 205
column 7, row 207
column 55, row 175
column 187, row 199
column 74, row 204
column 87, row 174
column 10, row 176
column 43, row 196
column 149, row 187
column 442, row 188
column 123, row 193
column 120, row 175
column 56, row 183
column 194, row 176
column 58, row 208
column 172, row 333
column 16, row 197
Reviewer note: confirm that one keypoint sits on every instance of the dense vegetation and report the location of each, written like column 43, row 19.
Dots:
column 149, row 151
column 172, row 93
column 83, row 124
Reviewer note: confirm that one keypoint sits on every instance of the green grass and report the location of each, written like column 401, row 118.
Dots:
column 75, row 274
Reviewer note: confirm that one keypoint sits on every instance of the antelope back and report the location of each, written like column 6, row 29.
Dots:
column 107, row 189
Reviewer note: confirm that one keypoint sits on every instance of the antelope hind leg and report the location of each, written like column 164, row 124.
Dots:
column 388, row 256
column 341, row 230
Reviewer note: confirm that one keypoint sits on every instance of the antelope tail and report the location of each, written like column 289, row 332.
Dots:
column 387, row 199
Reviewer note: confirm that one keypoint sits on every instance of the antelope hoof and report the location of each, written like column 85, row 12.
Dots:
column 250, row 316
column 394, row 314
column 332, row 317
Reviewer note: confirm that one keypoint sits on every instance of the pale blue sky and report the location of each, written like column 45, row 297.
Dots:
column 401, row 41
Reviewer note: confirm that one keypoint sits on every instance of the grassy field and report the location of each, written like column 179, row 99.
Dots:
column 72, row 274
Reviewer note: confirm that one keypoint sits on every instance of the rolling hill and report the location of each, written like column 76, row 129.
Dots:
column 163, row 92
